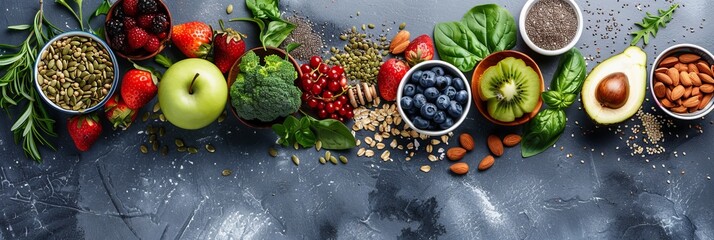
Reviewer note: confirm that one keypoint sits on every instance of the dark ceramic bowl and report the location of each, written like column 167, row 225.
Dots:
column 140, row 54
column 235, row 70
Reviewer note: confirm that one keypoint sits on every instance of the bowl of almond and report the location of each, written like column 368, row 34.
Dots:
column 682, row 81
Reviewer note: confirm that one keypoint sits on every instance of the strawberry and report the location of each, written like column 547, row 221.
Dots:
column 131, row 7
column 153, row 44
column 118, row 113
column 420, row 49
column 145, row 21
column 192, row 38
column 390, row 75
column 138, row 87
column 84, row 130
column 137, row 38
column 228, row 46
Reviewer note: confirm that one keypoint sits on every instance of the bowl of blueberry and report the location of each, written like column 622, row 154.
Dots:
column 434, row 98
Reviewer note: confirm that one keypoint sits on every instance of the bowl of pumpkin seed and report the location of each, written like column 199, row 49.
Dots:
column 75, row 72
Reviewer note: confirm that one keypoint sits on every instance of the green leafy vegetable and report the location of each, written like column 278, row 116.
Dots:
column 163, row 60
column 570, row 75
column 651, row 23
column 558, row 100
column 483, row 30
column 276, row 33
column 102, row 9
column 542, row 131
column 273, row 29
column 264, row 9
column 333, row 134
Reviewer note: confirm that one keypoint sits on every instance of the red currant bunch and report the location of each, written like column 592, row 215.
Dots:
column 324, row 90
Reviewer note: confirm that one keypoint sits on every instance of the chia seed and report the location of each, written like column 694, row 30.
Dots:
column 312, row 42
column 551, row 24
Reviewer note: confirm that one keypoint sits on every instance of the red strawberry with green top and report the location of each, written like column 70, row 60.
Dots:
column 84, row 130
column 118, row 113
column 138, row 87
column 228, row 46
column 192, row 38
column 131, row 7
column 420, row 49
column 390, row 75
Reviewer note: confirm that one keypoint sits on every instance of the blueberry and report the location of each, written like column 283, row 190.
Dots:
column 407, row 103
column 409, row 90
column 441, row 82
column 431, row 94
column 447, row 123
column 438, row 70
column 439, row 117
column 455, row 110
column 449, row 92
column 428, row 79
column 448, row 80
column 419, row 100
column 416, row 76
column 412, row 111
column 458, row 84
column 442, row 102
column 428, row 111
column 420, row 122
column 462, row 97
column 419, row 89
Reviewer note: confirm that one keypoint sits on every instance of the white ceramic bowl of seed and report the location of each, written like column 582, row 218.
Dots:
column 555, row 26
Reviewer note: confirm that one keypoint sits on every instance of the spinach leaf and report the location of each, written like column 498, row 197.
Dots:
column 276, row 33
column 333, row 134
column 542, row 131
column 493, row 26
column 558, row 100
column 264, row 9
column 570, row 74
column 459, row 46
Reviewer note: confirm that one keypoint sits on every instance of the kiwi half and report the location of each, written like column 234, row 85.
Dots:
column 510, row 89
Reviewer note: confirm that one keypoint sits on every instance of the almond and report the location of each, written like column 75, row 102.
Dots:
column 661, row 70
column 680, row 109
column 511, row 140
column 455, row 153
column 681, row 67
column 399, row 42
column 459, row 168
column 486, row 163
column 705, row 78
column 666, row 103
column 669, row 94
column 466, row 141
column 677, row 92
column 696, row 81
column 673, row 74
column 707, row 88
column 705, row 101
column 696, row 91
column 664, row 78
column 659, row 89
column 691, row 102
column 687, row 92
column 704, row 68
column 689, row 58
column 684, row 79
column 669, row 62
column 495, row 145
column 692, row 68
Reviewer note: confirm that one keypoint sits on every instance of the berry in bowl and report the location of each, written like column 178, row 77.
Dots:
column 325, row 93
column 138, row 29
column 433, row 98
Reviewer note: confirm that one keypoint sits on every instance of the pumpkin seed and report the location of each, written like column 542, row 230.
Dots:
column 179, row 143
column 210, row 148
column 229, row 9
column 318, row 145
column 192, row 150
column 181, row 149
column 157, row 107
column 296, row 160
column 328, row 154
column 155, row 146
column 333, row 160
column 226, row 172
column 322, row 160
column 343, row 159
column 273, row 152
column 144, row 149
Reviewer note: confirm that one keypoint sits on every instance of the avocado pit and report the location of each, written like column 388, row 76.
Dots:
column 613, row 90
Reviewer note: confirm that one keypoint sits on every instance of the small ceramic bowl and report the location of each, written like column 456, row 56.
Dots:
column 492, row 60
column 39, row 76
column 235, row 70
column 677, row 50
column 139, row 54
column 449, row 70
column 522, row 28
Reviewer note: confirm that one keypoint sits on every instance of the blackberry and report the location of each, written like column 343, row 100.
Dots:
column 119, row 12
column 148, row 6
column 119, row 42
column 115, row 27
column 159, row 24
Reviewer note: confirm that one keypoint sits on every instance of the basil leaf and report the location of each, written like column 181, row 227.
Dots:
column 276, row 33
column 542, row 131
column 282, row 132
column 458, row 46
column 333, row 134
column 570, row 74
column 493, row 26
column 557, row 99
column 264, row 8
column 305, row 137
column 163, row 60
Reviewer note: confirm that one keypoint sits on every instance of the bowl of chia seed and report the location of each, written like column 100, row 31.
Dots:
column 550, row 27
column 75, row 73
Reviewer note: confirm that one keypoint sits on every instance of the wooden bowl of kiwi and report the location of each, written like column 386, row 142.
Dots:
column 513, row 82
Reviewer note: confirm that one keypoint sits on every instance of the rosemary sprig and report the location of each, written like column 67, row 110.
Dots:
column 79, row 17
column 651, row 23
column 34, row 125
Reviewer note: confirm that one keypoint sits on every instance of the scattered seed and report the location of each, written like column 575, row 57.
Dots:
column 343, row 159
column 296, row 160
column 210, row 148
column 192, row 150
column 328, row 154
column 229, row 9
column 433, row 158
column 181, row 149
column 226, row 172
column 402, row 26
column 144, row 149
column 385, row 155
column 370, row 26
column 296, row 146
column 157, row 107
column 369, row 153
column 322, row 160
column 179, row 143
column 318, row 145
column 425, row 168
column 162, row 117
column 273, row 152
column 333, row 160
column 145, row 117
column 361, row 152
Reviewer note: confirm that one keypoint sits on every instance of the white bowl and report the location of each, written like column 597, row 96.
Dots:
column 526, row 38
column 676, row 50
column 448, row 69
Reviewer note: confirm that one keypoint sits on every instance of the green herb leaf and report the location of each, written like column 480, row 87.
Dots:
column 282, row 133
column 569, row 76
column 292, row 46
column 333, row 134
column 264, row 9
column 493, row 26
column 276, row 33
column 651, row 23
column 19, row 27
column 558, row 100
column 102, row 9
column 163, row 60
column 457, row 45
column 305, row 137
column 541, row 132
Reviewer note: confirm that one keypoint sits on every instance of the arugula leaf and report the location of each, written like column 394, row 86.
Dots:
column 276, row 33
column 493, row 26
column 333, row 134
column 541, row 132
column 651, row 23
column 459, row 46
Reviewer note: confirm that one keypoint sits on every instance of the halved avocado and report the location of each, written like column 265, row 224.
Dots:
column 615, row 88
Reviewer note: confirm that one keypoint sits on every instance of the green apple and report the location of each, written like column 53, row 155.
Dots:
column 193, row 93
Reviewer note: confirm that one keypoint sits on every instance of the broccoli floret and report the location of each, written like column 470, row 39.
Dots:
column 249, row 64
column 266, row 93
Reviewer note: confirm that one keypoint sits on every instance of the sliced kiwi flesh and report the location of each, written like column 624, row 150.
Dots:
column 510, row 89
